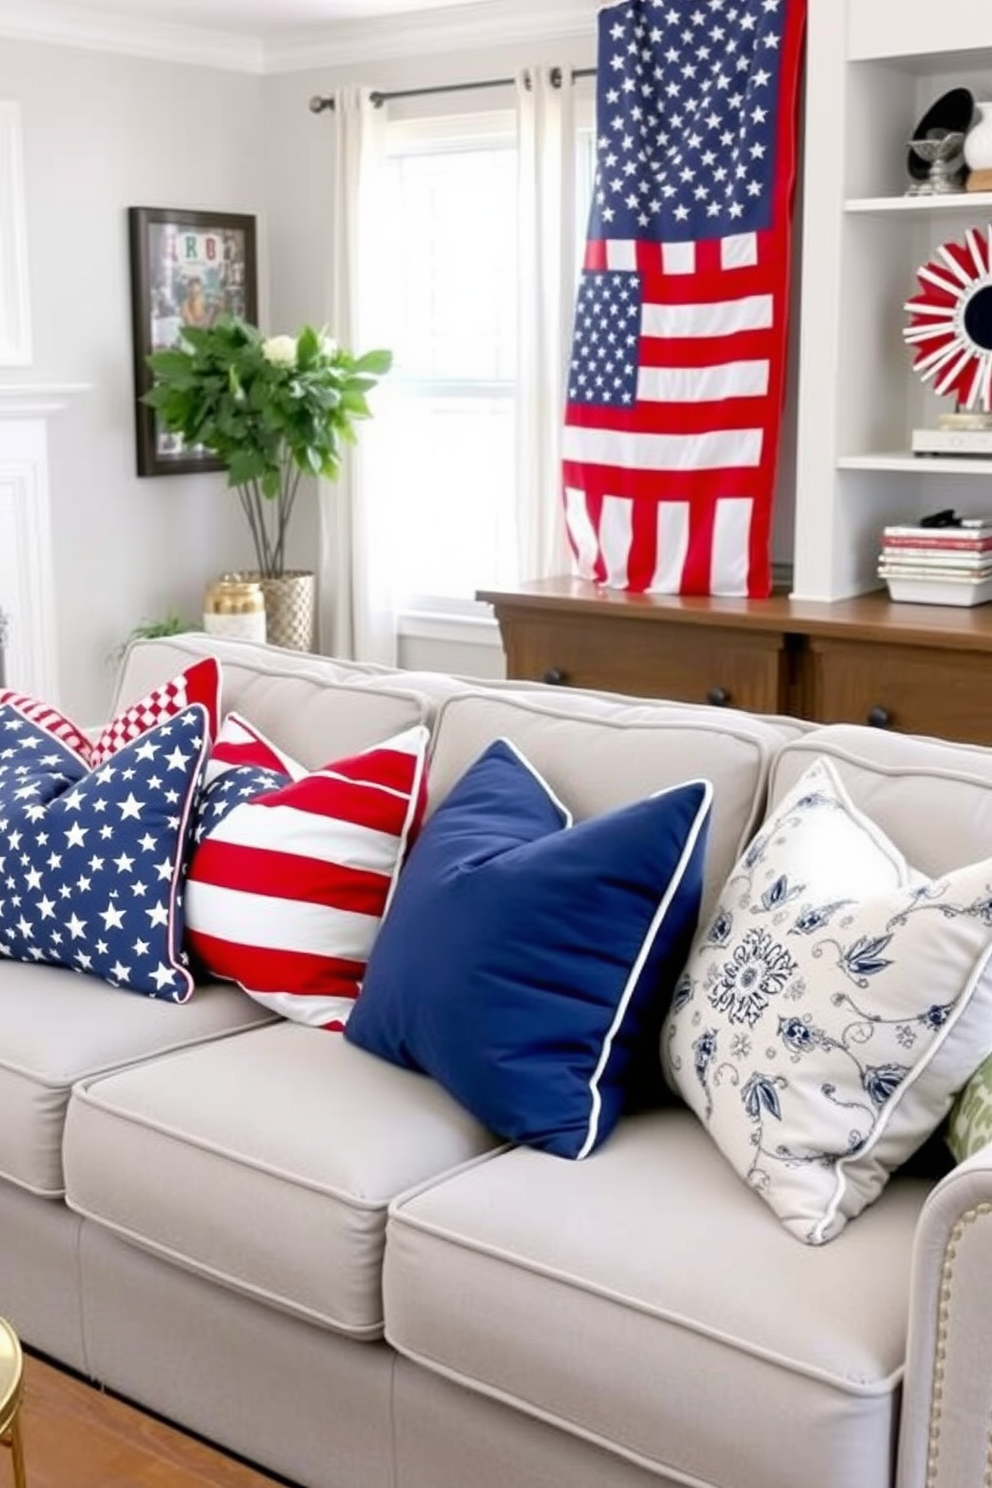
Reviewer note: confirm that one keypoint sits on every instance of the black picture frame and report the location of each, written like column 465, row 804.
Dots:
column 186, row 268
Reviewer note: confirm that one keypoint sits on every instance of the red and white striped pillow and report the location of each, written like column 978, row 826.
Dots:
column 292, row 872
column 199, row 683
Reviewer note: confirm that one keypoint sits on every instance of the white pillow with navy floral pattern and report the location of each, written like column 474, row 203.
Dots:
column 831, row 1008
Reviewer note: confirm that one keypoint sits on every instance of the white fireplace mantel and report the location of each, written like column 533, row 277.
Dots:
column 27, row 587
column 37, row 400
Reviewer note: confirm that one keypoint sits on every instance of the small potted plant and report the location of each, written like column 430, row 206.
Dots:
column 273, row 409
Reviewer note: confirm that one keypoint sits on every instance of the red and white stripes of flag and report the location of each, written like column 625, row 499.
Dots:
column 676, row 385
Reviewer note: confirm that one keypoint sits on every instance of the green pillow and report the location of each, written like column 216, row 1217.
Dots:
column 969, row 1126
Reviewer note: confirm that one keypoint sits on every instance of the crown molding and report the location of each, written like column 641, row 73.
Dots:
column 482, row 24
column 96, row 31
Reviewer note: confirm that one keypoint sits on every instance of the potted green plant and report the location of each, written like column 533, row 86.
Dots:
column 273, row 409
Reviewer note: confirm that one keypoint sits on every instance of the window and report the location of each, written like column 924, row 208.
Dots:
column 447, row 408
column 445, row 451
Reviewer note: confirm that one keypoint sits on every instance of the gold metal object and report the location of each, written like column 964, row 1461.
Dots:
column 11, row 1389
column 235, row 607
column 234, row 595
column 970, row 421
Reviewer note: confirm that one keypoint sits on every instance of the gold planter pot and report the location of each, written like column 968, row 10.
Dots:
column 290, row 609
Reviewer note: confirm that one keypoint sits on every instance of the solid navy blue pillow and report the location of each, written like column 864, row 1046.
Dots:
column 526, row 963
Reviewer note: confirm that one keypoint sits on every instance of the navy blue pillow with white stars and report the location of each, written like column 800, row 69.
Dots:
column 236, row 785
column 92, row 862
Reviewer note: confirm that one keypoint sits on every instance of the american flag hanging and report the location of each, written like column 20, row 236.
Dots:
column 677, row 373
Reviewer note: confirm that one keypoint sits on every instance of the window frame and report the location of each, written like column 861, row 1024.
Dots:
column 435, row 125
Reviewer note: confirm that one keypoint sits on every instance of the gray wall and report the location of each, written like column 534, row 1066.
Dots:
column 101, row 133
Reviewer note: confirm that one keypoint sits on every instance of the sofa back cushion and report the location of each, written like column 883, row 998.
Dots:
column 598, row 752
column 312, row 707
column 933, row 799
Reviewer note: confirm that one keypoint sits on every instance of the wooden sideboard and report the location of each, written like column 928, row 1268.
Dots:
column 921, row 669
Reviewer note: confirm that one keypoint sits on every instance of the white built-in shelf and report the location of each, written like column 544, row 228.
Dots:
column 878, row 67
column 919, row 464
column 960, row 203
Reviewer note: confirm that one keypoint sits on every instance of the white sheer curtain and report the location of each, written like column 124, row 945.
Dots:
column 357, row 600
column 547, row 259
column 356, row 608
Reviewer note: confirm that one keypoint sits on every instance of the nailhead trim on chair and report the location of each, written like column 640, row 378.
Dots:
column 980, row 1211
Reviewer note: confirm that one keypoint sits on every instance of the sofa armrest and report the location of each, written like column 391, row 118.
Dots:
column 945, row 1433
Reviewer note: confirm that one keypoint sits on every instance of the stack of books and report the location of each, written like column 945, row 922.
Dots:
column 947, row 565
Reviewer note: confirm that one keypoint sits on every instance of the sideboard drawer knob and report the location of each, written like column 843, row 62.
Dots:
column 555, row 677
column 718, row 697
column 878, row 717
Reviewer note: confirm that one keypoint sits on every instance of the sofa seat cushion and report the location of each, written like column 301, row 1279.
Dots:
column 60, row 1027
column 644, row 1300
column 267, row 1163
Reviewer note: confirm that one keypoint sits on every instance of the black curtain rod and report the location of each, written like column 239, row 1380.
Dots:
column 319, row 104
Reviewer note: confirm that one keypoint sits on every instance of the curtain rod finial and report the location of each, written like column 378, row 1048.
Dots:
column 318, row 104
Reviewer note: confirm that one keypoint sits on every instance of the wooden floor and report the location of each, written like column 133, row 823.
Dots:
column 76, row 1436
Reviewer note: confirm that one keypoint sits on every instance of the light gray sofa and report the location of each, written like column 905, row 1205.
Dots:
column 320, row 1262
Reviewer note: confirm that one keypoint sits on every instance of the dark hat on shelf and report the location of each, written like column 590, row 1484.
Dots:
column 953, row 111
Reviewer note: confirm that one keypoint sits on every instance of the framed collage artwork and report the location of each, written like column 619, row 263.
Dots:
column 187, row 268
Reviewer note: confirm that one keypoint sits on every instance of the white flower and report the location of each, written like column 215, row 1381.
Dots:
column 280, row 351
column 328, row 346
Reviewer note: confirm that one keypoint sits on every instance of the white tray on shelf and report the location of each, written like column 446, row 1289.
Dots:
column 940, row 591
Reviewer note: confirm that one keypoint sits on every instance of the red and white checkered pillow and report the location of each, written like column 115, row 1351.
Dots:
column 199, row 683
column 292, row 871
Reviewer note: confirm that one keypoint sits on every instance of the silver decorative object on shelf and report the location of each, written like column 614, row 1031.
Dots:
column 935, row 160
column 944, row 155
